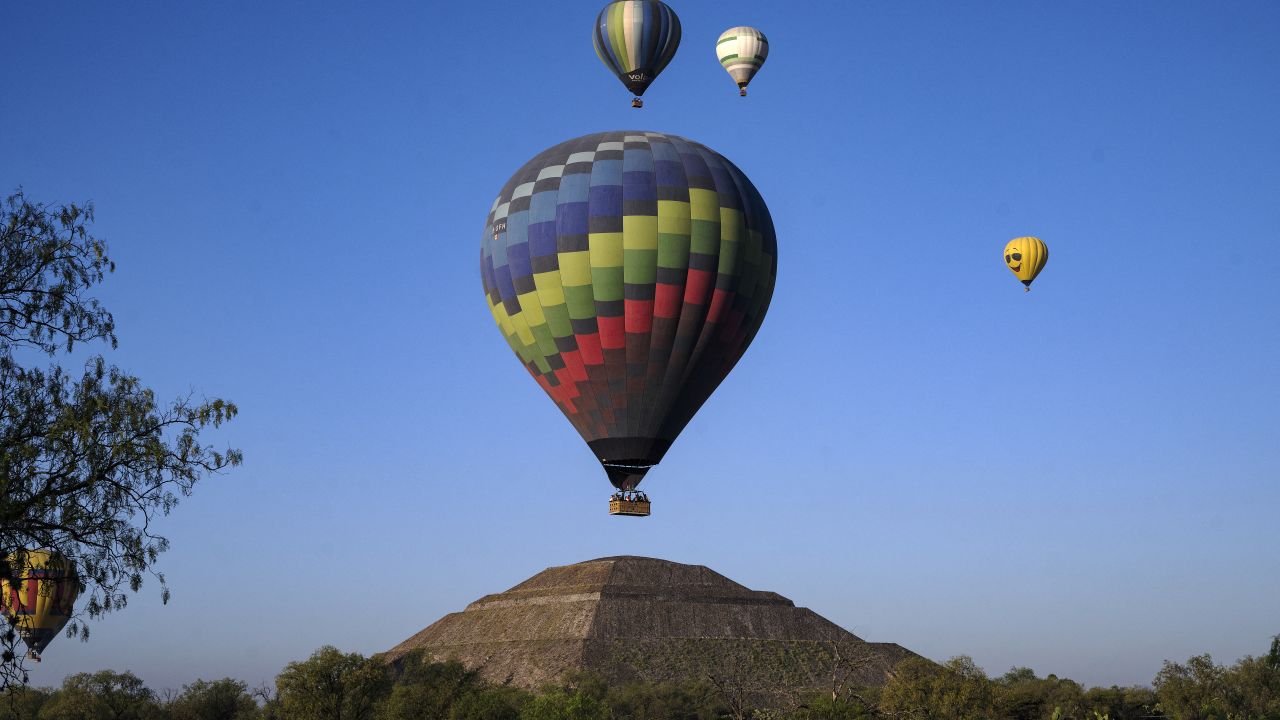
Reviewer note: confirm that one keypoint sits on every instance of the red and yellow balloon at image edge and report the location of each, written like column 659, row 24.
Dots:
column 41, row 604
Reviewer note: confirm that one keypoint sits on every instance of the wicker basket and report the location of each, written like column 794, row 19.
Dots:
column 635, row 508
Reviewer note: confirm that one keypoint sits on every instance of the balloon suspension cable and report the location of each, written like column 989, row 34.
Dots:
column 637, row 103
column 630, row 496
column 630, row 466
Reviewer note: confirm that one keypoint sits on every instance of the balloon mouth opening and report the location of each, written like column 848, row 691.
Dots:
column 626, row 474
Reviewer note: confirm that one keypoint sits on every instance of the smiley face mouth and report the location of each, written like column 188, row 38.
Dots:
column 1016, row 268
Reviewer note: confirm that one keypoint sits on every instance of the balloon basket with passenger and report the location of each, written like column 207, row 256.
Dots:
column 632, row 503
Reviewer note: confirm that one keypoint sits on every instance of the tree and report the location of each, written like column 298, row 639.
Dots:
column 22, row 702
column 957, row 690
column 427, row 689
column 331, row 685
column 565, row 705
column 1035, row 698
column 104, row 695
column 86, row 462
column 1251, row 689
column 737, row 700
column 1203, row 690
column 499, row 703
column 1193, row 691
column 824, row 708
column 1121, row 703
column 225, row 699
column 849, row 660
column 663, row 701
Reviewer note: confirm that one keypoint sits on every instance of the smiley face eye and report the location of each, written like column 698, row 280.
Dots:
column 1007, row 258
column 1017, row 256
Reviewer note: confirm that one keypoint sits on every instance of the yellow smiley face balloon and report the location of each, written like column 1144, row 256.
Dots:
column 1026, row 257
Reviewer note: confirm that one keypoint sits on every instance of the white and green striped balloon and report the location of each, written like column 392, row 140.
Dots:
column 742, row 50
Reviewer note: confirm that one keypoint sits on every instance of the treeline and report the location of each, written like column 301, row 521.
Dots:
column 332, row 685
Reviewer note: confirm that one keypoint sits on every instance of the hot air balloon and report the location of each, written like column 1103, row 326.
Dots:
column 636, row 39
column 40, row 604
column 1026, row 257
column 742, row 50
column 629, row 271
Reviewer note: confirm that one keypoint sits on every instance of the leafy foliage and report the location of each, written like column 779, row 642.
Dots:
column 500, row 703
column 1203, row 690
column 48, row 260
column 104, row 695
column 426, row 689
column 330, row 685
column 225, row 699
column 957, row 690
column 88, row 460
column 644, row 701
column 565, row 705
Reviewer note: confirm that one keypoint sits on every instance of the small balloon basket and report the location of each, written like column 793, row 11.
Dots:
column 633, row 504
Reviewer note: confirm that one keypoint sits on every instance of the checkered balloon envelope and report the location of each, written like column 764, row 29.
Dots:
column 629, row 271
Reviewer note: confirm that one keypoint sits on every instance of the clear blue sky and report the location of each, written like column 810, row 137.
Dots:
column 1083, row 479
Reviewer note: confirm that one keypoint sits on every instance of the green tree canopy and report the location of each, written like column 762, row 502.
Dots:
column 1200, row 689
column 225, row 699
column 956, row 690
column 330, row 685
column 427, row 689
column 499, row 703
column 565, row 705
column 648, row 701
column 104, row 695
column 22, row 702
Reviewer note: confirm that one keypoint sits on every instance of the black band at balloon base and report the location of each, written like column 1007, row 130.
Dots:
column 626, row 460
column 637, row 81
column 626, row 474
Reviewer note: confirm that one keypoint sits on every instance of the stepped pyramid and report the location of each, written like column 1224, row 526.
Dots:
column 642, row 619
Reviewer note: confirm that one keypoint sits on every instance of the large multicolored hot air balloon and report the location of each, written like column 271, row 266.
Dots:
column 1026, row 257
column 629, row 271
column 40, row 605
column 742, row 50
column 636, row 39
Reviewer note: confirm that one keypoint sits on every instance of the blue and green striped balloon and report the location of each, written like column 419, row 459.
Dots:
column 741, row 51
column 636, row 39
